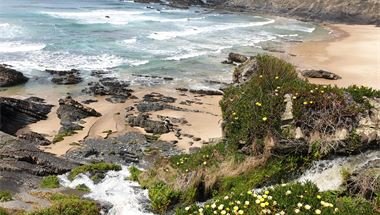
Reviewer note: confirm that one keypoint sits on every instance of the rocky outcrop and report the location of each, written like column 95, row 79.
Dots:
column 369, row 124
column 158, row 97
column 65, row 77
column 117, row 91
column 353, row 11
column 155, row 106
column 71, row 112
column 150, row 126
column 25, row 157
column 204, row 92
column 10, row 77
column 16, row 114
column 320, row 74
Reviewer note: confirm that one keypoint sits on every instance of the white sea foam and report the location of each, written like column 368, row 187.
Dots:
column 9, row 47
column 130, row 41
column 165, row 35
column 296, row 28
column 114, row 17
column 126, row 196
column 8, row 31
column 42, row 60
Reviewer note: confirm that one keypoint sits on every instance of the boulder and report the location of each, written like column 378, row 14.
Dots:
column 320, row 74
column 16, row 113
column 10, row 77
column 237, row 58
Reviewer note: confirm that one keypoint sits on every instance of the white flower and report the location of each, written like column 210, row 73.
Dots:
column 223, row 212
column 241, row 212
column 307, row 207
column 282, row 213
column 318, row 211
column 226, row 197
column 187, row 208
column 257, row 201
column 200, row 210
column 288, row 192
column 246, row 202
column 299, row 204
column 270, row 197
column 296, row 210
column 213, row 205
column 221, row 207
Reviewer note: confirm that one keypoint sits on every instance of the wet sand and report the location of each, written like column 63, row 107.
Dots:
column 353, row 53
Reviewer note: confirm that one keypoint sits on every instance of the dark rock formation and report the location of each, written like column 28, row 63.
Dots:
column 65, row 77
column 157, row 97
column 320, row 74
column 10, row 77
column 150, row 126
column 117, row 90
column 155, row 106
column 237, row 58
column 70, row 112
column 201, row 91
column 33, row 137
column 25, row 157
column 124, row 149
column 16, row 114
column 154, row 77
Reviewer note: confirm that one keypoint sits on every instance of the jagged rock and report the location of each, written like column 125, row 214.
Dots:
column 10, row 77
column 34, row 138
column 245, row 70
column 16, row 114
column 288, row 113
column 320, row 74
column 25, row 157
column 158, row 97
column 71, row 111
column 150, row 126
column 35, row 99
column 117, row 90
column 65, row 77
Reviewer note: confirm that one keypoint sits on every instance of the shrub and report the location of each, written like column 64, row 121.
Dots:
column 83, row 187
column 5, row 196
column 50, row 181
column 359, row 93
column 3, row 211
column 161, row 197
column 92, row 169
column 69, row 205
column 135, row 172
column 61, row 135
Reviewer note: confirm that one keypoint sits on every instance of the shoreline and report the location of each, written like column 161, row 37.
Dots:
column 353, row 52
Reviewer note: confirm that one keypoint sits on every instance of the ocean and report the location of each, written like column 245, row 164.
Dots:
column 126, row 38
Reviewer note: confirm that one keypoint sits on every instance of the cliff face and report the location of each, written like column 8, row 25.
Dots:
column 349, row 11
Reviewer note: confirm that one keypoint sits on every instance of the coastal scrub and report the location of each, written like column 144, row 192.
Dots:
column 51, row 181
column 93, row 169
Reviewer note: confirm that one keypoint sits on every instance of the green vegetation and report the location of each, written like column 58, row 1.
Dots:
column 283, row 199
column 248, row 157
column 83, row 187
column 5, row 196
column 50, row 181
column 69, row 205
column 135, row 172
column 3, row 211
column 360, row 93
column 93, row 169
column 61, row 135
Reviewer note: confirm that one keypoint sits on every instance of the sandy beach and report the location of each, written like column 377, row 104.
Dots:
column 353, row 53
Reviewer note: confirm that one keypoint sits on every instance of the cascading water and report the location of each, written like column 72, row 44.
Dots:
column 327, row 174
column 126, row 197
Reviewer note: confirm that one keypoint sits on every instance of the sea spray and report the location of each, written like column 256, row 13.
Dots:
column 126, row 197
column 327, row 174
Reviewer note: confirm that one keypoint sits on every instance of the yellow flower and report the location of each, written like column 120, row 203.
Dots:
column 319, row 197
column 234, row 113
column 266, row 192
column 311, row 102
column 336, row 210
column 204, row 162
column 265, row 196
column 318, row 211
column 241, row 212
column 322, row 91
column 265, row 118
column 262, row 200
column 249, row 192
column 221, row 207
column 311, row 91
column 262, row 205
column 258, row 104
column 246, row 202
column 305, row 103
column 266, row 203
column 277, row 77
column 260, row 76
column 236, row 208
column 294, row 97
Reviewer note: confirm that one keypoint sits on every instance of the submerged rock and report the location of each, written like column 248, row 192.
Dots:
column 10, row 77
column 16, row 113
column 320, row 74
column 65, row 77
